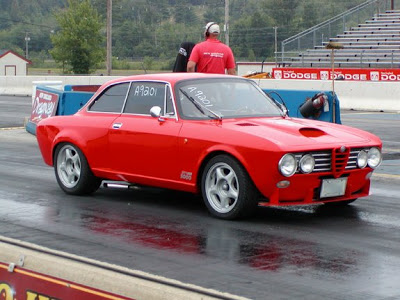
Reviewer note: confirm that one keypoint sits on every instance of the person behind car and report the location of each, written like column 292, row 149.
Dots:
column 211, row 55
column 183, row 57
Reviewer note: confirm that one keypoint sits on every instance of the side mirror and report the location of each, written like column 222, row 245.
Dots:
column 155, row 111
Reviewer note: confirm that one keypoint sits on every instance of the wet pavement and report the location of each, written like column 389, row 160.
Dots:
column 307, row 252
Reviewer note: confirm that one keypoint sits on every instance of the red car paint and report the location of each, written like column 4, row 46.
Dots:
column 171, row 152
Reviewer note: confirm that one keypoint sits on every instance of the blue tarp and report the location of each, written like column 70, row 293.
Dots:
column 295, row 98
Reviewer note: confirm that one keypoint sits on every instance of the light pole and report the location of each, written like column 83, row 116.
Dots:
column 276, row 45
column 109, row 40
column 227, row 22
column 333, row 46
column 27, row 39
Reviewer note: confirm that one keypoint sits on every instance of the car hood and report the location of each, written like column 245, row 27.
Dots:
column 286, row 132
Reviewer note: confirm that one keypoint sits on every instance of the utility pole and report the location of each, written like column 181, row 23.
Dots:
column 276, row 46
column 27, row 39
column 227, row 22
column 109, row 40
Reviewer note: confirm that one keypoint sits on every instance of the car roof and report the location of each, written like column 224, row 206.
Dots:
column 170, row 77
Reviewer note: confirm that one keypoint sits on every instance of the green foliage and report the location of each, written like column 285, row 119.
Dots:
column 148, row 63
column 184, row 13
column 73, row 31
column 78, row 45
column 251, row 56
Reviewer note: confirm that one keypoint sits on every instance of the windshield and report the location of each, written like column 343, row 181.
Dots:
column 223, row 98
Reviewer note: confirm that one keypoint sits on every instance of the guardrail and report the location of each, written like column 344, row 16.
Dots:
column 23, row 85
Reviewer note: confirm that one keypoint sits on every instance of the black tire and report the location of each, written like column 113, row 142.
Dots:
column 227, row 190
column 72, row 171
column 340, row 203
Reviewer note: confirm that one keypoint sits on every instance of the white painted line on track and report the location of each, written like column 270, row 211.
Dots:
column 12, row 128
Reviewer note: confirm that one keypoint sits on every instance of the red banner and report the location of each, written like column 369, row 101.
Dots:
column 339, row 74
column 44, row 105
column 22, row 284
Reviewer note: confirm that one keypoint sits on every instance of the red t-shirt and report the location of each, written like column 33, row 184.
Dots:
column 212, row 56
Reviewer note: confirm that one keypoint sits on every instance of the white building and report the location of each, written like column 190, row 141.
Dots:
column 12, row 64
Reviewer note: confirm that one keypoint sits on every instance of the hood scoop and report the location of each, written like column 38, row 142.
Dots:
column 246, row 124
column 311, row 132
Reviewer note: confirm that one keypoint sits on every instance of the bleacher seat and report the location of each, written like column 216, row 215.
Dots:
column 375, row 43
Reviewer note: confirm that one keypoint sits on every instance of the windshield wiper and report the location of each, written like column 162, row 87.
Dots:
column 200, row 107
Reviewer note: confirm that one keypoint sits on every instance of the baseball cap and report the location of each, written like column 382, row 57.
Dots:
column 212, row 27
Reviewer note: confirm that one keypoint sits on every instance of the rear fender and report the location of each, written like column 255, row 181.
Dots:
column 65, row 137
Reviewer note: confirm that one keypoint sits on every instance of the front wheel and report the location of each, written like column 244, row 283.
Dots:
column 72, row 171
column 227, row 189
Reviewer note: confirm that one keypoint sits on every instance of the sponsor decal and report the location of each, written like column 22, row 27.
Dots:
column 277, row 74
column 340, row 73
column 374, row 75
column 43, row 106
column 186, row 175
column 390, row 76
column 324, row 75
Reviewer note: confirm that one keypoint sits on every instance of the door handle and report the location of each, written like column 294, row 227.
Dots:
column 117, row 125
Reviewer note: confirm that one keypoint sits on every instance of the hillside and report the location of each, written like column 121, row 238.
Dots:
column 155, row 28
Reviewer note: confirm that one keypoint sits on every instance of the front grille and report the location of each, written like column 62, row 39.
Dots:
column 352, row 162
column 333, row 160
column 339, row 160
column 322, row 160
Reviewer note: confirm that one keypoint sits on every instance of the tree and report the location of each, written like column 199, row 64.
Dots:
column 79, row 44
column 184, row 13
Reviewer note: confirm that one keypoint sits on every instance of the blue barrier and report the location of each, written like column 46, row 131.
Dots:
column 69, row 102
column 293, row 99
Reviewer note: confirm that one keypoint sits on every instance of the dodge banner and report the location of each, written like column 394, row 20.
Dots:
column 339, row 74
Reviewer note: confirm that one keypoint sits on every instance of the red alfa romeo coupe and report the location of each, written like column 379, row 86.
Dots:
column 217, row 135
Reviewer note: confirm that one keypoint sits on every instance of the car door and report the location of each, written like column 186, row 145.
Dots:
column 145, row 148
column 101, row 114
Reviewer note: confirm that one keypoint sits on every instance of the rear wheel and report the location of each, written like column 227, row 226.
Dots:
column 72, row 171
column 227, row 189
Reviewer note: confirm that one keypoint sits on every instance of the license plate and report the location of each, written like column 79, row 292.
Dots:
column 333, row 187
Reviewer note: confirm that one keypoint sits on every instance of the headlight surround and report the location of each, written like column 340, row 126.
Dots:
column 374, row 157
column 307, row 164
column 362, row 159
column 288, row 165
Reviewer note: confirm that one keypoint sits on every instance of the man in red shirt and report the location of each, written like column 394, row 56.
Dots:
column 212, row 56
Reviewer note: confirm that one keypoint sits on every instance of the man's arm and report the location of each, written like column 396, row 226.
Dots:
column 231, row 71
column 191, row 66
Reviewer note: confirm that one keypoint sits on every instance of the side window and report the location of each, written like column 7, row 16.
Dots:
column 111, row 100
column 143, row 96
column 169, row 109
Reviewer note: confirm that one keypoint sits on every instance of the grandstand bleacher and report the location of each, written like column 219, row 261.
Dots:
column 373, row 44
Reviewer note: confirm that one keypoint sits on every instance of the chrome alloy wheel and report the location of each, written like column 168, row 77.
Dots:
column 68, row 166
column 222, row 187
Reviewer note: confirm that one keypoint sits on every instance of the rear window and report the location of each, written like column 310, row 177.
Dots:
column 111, row 100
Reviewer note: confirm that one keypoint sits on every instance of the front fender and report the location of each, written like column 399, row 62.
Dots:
column 262, row 166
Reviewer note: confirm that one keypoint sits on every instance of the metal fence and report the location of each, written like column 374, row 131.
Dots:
column 321, row 33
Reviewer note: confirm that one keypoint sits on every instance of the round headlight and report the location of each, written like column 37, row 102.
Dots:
column 374, row 157
column 288, row 165
column 307, row 163
column 362, row 159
